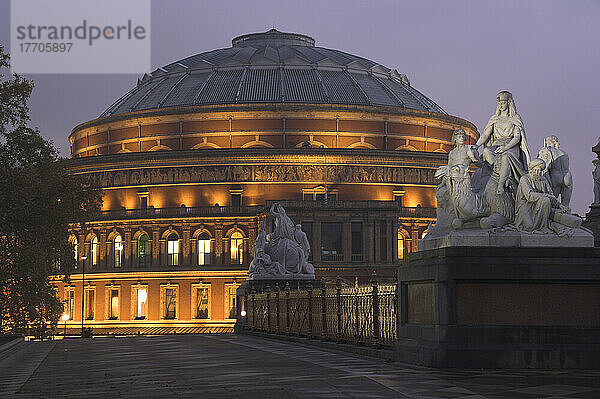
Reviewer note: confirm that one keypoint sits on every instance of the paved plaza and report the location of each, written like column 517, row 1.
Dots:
column 233, row 366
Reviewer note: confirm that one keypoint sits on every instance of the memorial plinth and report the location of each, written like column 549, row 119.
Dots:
column 499, row 307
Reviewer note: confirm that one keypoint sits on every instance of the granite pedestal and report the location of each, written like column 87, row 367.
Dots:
column 498, row 307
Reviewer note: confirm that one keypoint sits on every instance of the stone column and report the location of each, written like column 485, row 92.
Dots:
column 102, row 249
column 186, row 245
column 390, row 240
column 316, row 251
column 81, row 250
column 218, row 243
column 395, row 240
column 252, row 232
column 415, row 237
column 155, row 246
column 377, row 237
column 369, row 241
column 251, row 236
column 347, row 241
column 127, row 248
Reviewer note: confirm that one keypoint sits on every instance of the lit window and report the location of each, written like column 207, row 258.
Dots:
column 142, row 303
column 143, row 250
column 70, row 305
column 114, row 304
column 204, row 249
column 202, row 303
column 230, row 300
column 118, row 250
column 90, row 303
column 400, row 245
column 237, row 248
column 170, row 303
column 173, row 250
column 94, row 251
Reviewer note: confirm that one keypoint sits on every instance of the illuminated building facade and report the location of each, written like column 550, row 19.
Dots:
column 194, row 155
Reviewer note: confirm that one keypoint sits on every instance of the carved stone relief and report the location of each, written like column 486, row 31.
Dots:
column 265, row 173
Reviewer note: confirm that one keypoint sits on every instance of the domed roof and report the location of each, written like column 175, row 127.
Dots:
column 272, row 67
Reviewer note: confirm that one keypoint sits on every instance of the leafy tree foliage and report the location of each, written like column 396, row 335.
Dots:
column 39, row 200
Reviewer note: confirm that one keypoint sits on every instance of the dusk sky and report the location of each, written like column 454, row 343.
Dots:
column 458, row 53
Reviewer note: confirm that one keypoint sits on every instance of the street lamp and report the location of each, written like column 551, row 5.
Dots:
column 64, row 318
column 83, row 258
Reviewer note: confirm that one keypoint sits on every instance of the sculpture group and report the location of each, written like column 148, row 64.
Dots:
column 508, row 190
column 283, row 253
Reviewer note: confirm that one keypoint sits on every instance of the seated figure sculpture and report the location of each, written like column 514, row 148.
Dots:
column 282, row 253
column 537, row 209
column 456, row 203
column 504, row 142
column 506, row 152
column 557, row 169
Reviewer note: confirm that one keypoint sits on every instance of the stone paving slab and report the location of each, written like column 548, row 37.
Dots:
column 233, row 366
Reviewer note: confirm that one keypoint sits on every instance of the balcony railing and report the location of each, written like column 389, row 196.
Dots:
column 332, row 257
column 357, row 257
column 182, row 211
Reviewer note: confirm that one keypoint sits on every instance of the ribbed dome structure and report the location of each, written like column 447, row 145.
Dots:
column 272, row 67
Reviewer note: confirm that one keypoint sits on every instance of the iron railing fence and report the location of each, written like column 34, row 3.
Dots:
column 176, row 212
column 365, row 315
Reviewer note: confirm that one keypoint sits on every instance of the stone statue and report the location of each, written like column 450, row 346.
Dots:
column 504, row 142
column 456, row 202
column 538, row 210
column 596, row 175
column 282, row 253
column 557, row 169
column 302, row 239
column 508, row 200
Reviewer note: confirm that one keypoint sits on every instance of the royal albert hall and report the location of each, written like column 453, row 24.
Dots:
column 193, row 156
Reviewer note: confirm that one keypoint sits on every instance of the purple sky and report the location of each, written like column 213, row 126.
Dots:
column 458, row 53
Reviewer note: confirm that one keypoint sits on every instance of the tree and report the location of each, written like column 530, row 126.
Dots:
column 39, row 200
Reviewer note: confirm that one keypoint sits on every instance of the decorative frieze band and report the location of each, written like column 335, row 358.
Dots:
column 265, row 173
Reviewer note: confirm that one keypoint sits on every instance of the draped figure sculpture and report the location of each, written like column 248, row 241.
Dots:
column 282, row 253
column 538, row 210
column 504, row 142
column 507, row 154
column 557, row 169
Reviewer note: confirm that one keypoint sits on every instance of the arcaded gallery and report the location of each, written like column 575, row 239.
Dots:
column 194, row 155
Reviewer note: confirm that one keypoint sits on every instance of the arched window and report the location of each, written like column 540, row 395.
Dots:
column 94, row 251
column 118, row 250
column 204, row 249
column 173, row 250
column 143, row 250
column 237, row 248
column 400, row 246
